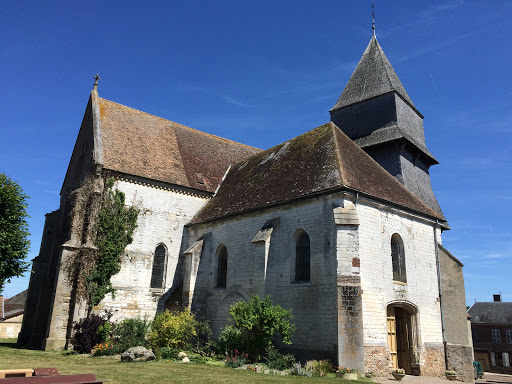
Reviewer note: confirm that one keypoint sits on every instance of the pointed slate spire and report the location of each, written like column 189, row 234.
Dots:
column 373, row 76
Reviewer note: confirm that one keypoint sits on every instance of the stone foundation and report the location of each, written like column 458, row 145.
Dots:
column 433, row 361
column 460, row 360
column 376, row 360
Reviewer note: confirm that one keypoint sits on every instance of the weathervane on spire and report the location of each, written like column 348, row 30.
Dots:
column 96, row 78
column 373, row 21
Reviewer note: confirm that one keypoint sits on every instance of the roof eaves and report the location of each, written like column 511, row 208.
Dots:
column 263, row 207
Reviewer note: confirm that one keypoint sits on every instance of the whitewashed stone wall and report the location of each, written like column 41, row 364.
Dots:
column 313, row 304
column 161, row 221
column 375, row 231
column 377, row 225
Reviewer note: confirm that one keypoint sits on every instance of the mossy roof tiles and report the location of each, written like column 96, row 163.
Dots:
column 140, row 144
column 321, row 160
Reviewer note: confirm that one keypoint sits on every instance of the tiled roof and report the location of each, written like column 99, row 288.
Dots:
column 491, row 313
column 372, row 77
column 321, row 160
column 15, row 305
column 141, row 144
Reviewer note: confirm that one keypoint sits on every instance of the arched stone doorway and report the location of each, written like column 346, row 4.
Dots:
column 403, row 337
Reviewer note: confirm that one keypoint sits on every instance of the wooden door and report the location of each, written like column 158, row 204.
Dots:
column 391, row 323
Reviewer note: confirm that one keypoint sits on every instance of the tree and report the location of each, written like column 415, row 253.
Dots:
column 14, row 243
column 256, row 324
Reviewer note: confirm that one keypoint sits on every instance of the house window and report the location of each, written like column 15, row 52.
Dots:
column 474, row 333
column 508, row 335
column 302, row 258
column 398, row 258
column 496, row 337
column 222, row 268
column 158, row 273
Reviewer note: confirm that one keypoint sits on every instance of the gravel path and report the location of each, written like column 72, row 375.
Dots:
column 409, row 379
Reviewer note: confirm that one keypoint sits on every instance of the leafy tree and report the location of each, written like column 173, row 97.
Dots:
column 14, row 243
column 256, row 323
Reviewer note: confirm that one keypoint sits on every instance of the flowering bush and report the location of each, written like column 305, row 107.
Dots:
column 399, row 371
column 451, row 373
column 236, row 359
column 107, row 348
column 346, row 370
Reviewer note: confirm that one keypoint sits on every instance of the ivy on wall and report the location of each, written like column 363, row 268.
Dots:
column 115, row 226
column 104, row 226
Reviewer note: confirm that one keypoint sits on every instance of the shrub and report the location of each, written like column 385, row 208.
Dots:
column 169, row 353
column 131, row 333
column 86, row 333
column 201, row 343
column 320, row 367
column 276, row 360
column 259, row 321
column 173, row 329
column 235, row 359
column 299, row 370
column 230, row 338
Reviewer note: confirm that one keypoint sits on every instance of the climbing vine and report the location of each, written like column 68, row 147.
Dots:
column 115, row 226
column 104, row 227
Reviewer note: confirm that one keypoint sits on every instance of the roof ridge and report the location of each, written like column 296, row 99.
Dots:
column 338, row 154
column 381, row 52
column 178, row 124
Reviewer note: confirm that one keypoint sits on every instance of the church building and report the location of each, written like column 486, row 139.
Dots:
column 339, row 224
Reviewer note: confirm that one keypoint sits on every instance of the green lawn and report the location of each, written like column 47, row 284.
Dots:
column 111, row 369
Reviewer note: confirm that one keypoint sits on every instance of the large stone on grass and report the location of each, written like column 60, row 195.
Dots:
column 137, row 354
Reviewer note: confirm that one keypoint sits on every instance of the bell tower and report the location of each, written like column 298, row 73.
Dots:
column 376, row 112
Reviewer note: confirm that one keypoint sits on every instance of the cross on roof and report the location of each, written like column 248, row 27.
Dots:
column 96, row 78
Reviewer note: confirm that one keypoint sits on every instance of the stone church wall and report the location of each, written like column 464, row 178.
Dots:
column 163, row 214
column 420, row 293
column 267, row 268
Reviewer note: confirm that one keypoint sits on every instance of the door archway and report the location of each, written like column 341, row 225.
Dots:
column 403, row 340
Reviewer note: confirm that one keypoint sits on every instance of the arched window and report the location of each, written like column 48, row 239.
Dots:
column 222, row 267
column 302, row 258
column 158, row 273
column 398, row 258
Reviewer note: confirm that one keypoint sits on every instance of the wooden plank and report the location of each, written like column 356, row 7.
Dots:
column 25, row 372
column 45, row 371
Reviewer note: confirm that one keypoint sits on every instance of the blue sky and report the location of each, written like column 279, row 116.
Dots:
column 261, row 73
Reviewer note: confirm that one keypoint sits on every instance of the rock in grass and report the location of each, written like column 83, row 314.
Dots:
column 137, row 354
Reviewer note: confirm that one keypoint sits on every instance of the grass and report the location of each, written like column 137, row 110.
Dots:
column 111, row 369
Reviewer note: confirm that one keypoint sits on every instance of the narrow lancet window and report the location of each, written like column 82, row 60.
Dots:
column 222, row 268
column 158, row 273
column 398, row 259
column 302, row 258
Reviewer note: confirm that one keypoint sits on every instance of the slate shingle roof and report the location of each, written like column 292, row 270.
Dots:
column 321, row 160
column 372, row 77
column 491, row 313
column 140, row 144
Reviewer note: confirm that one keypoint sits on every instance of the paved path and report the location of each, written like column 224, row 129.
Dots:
column 495, row 378
column 489, row 378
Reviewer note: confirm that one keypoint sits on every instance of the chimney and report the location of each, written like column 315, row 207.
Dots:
column 497, row 298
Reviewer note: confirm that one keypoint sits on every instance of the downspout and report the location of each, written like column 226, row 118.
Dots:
column 438, row 263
